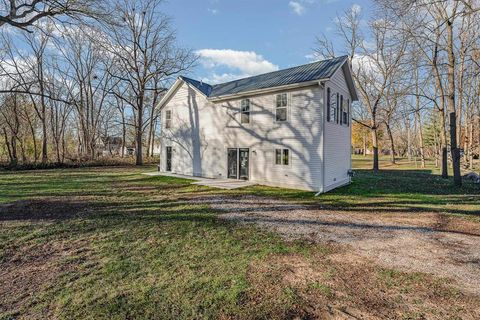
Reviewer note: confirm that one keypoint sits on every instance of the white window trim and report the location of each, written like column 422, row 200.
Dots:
column 168, row 119
column 287, row 107
column 289, row 157
column 333, row 107
column 249, row 111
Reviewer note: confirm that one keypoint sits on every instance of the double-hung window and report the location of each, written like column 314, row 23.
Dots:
column 281, row 111
column 342, row 110
column 348, row 112
column 282, row 157
column 337, row 110
column 168, row 119
column 245, row 111
column 329, row 106
column 333, row 107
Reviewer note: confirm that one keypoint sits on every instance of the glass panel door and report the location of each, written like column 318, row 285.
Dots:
column 244, row 159
column 169, row 159
column 232, row 163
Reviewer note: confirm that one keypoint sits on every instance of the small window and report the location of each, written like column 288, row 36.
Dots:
column 281, row 107
column 245, row 111
column 168, row 119
column 329, row 106
column 282, row 157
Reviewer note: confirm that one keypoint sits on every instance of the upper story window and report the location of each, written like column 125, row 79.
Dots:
column 168, row 119
column 342, row 110
column 348, row 113
column 281, row 107
column 245, row 111
column 333, row 107
column 282, row 157
column 329, row 106
column 337, row 109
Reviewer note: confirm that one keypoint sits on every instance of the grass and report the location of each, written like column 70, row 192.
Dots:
column 99, row 243
column 396, row 188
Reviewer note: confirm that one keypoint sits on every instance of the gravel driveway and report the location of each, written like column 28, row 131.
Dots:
column 424, row 242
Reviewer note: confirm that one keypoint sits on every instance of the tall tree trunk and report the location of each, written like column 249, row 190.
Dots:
column 409, row 139
column 392, row 144
column 43, row 111
column 457, row 178
column 124, row 136
column 9, row 147
column 364, row 144
column 139, row 132
column 420, row 137
column 443, row 147
column 470, row 145
column 375, row 147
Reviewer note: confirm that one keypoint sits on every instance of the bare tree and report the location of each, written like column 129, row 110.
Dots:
column 25, row 14
column 145, row 52
column 87, row 77
column 373, row 68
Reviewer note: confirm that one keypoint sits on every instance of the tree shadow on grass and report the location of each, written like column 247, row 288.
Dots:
column 406, row 182
column 61, row 209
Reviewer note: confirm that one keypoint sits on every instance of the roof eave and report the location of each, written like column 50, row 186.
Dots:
column 350, row 81
column 170, row 92
column 180, row 80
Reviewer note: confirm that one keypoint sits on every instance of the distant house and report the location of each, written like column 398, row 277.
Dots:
column 288, row 128
column 111, row 146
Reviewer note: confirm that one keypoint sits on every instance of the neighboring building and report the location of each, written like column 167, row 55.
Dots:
column 288, row 128
column 111, row 146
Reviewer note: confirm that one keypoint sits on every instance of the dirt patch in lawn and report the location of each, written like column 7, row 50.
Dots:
column 45, row 209
column 27, row 274
column 322, row 287
column 432, row 243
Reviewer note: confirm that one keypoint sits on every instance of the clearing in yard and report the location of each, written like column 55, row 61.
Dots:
column 113, row 243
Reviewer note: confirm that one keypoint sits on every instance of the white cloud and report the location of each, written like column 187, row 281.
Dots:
column 297, row 7
column 213, row 11
column 356, row 8
column 312, row 57
column 223, row 77
column 245, row 63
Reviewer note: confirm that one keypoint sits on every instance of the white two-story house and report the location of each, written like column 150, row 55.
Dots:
column 288, row 128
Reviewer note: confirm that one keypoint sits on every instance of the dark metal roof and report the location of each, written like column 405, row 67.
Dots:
column 206, row 89
column 309, row 72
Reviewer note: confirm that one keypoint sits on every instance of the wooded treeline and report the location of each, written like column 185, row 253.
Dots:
column 416, row 65
column 84, row 78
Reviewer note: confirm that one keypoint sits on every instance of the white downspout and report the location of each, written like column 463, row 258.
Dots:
column 320, row 191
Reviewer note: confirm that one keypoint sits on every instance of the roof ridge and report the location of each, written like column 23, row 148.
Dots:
column 200, row 81
column 280, row 70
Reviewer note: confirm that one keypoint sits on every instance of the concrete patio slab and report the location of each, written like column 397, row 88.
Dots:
column 227, row 184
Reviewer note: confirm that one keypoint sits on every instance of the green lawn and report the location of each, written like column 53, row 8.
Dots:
column 98, row 243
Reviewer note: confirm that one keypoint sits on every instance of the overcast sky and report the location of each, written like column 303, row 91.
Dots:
column 238, row 38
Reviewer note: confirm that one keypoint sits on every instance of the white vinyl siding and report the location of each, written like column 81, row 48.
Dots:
column 337, row 138
column 203, row 131
column 201, row 149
